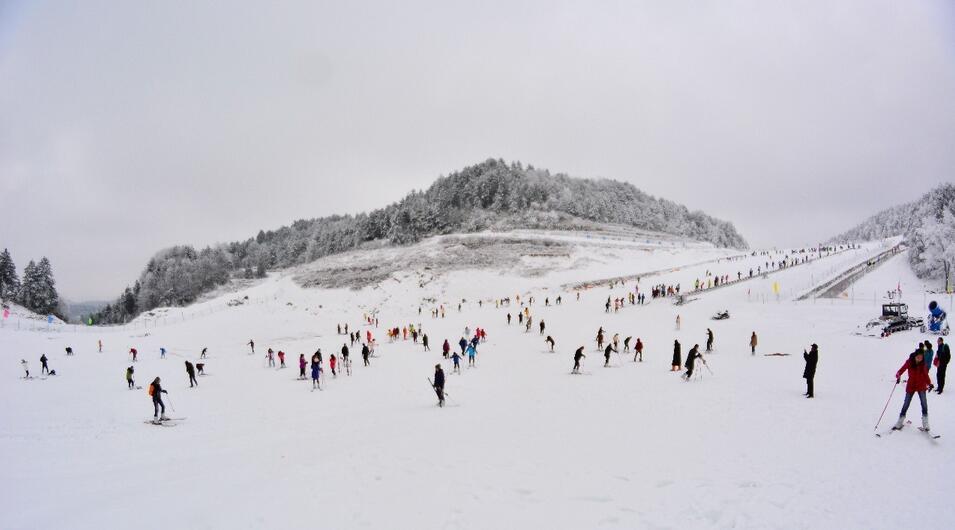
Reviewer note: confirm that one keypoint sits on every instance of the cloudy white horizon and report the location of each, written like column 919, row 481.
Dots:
column 127, row 127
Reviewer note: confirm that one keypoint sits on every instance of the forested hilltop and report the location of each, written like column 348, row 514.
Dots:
column 927, row 224
column 489, row 195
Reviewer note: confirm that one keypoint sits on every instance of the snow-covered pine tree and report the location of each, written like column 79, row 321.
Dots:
column 9, row 281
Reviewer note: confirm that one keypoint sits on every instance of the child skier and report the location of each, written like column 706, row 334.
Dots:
column 332, row 361
column 918, row 383
column 456, row 358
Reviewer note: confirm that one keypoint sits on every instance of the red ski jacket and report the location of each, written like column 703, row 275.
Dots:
column 918, row 377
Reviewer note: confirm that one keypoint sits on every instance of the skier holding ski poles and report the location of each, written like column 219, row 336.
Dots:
column 918, row 383
column 439, row 384
column 159, row 408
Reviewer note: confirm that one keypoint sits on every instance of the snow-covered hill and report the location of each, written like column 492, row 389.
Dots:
column 523, row 442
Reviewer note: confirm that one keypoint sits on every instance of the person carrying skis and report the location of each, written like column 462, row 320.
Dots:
column 332, row 362
column 943, row 355
column 677, row 357
column 709, row 340
column 809, row 373
column 550, row 340
column 316, row 370
column 159, row 408
column 191, row 371
column 752, row 342
column 44, row 368
column 638, row 350
column 456, row 359
column 578, row 355
column 364, row 354
column 129, row 378
column 918, row 383
column 691, row 358
column 439, row 384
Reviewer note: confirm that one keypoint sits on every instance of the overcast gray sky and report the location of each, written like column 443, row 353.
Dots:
column 126, row 127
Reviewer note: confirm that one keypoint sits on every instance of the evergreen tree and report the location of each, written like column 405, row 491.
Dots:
column 9, row 281
column 29, row 289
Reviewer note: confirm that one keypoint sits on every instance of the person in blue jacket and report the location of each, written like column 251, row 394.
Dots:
column 316, row 370
column 472, row 352
column 463, row 343
column 456, row 358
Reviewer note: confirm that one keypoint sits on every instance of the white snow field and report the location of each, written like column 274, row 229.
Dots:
column 522, row 443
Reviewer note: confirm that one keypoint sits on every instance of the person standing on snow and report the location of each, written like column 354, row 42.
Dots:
column 191, row 371
column 162, row 353
column 607, row 351
column 445, row 348
column 678, row 322
column 918, row 383
column 439, row 384
column 463, row 344
column 638, row 350
column 270, row 355
column 26, row 368
column 709, row 340
column 133, row 352
column 677, row 357
column 626, row 344
column 691, row 358
column 456, row 358
column 542, row 327
column 159, row 408
column 578, row 355
column 364, row 354
column 424, row 342
column 929, row 358
column 752, row 343
column 332, row 363
column 809, row 373
column 281, row 359
column 44, row 369
column 252, row 345
column 301, row 366
column 316, row 370
column 942, row 358
column 550, row 340
column 129, row 378
column 472, row 353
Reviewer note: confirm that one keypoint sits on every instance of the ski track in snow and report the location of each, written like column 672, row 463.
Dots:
column 521, row 443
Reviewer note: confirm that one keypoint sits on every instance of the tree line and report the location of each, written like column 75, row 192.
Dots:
column 489, row 195
column 36, row 291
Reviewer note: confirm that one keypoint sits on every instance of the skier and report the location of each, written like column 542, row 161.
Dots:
column 542, row 327
column 252, row 345
column 463, row 344
column 424, row 342
column 200, row 367
column 129, row 377
column 203, row 354
column 456, row 358
column 133, row 352
column 191, row 371
column 26, row 368
column 159, row 408
column 100, row 344
column 578, row 355
column 332, row 362
column 364, row 354
column 472, row 352
column 270, row 355
column 918, row 383
column 678, row 322
column 752, row 343
column 162, row 353
column 445, row 348
column 607, row 351
column 677, row 357
column 69, row 350
column 316, row 369
column 508, row 319
column 809, row 373
column 345, row 354
column 281, row 359
column 44, row 369
column 439, row 384
column 691, row 358
column 550, row 340
column 709, row 340
column 600, row 338
column 638, row 350
column 301, row 366
column 626, row 344
column 942, row 357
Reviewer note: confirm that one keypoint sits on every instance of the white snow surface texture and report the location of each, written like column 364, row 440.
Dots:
column 522, row 442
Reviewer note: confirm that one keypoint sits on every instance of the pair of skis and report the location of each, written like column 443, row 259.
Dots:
column 168, row 422
column 928, row 432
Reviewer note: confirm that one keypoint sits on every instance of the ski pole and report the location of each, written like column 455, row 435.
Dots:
column 708, row 368
column 886, row 406
column 170, row 403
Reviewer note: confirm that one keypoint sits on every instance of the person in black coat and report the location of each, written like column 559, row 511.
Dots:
column 812, row 358
column 439, row 384
column 156, row 392
column 578, row 355
column 364, row 354
column 943, row 355
column 191, row 370
column 677, row 357
column 691, row 358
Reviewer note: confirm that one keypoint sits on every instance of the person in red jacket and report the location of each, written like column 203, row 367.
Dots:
column 918, row 382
